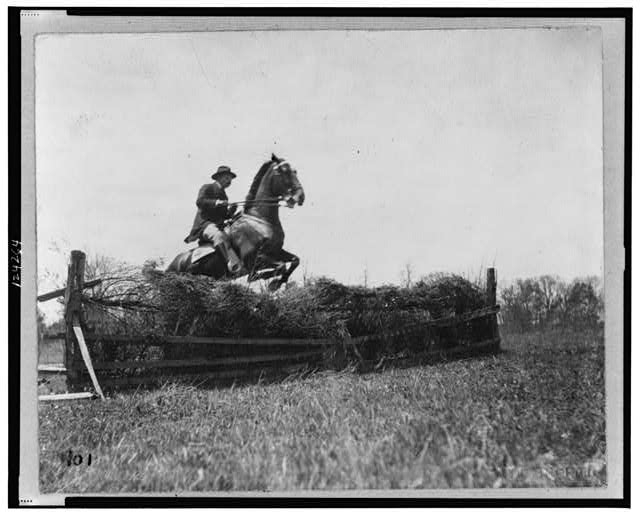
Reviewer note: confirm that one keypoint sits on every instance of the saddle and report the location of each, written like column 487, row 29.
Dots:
column 203, row 249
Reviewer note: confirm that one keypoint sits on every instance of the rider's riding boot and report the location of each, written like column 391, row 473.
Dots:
column 231, row 258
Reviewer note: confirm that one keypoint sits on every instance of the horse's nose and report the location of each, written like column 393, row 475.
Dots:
column 301, row 197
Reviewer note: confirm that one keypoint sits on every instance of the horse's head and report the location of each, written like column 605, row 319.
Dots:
column 285, row 181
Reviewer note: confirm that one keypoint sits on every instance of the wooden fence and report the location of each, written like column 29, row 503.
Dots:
column 246, row 358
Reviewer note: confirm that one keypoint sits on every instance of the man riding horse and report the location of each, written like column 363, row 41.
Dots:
column 213, row 211
column 255, row 235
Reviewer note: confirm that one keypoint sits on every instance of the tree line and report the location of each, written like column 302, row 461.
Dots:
column 548, row 302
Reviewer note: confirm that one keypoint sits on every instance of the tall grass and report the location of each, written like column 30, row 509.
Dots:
column 533, row 416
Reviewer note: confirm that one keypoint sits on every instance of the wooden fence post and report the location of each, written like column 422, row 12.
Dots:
column 72, row 307
column 491, row 286
column 491, row 297
column 74, row 318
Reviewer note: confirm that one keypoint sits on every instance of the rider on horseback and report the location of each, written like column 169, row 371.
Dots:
column 213, row 210
column 256, row 235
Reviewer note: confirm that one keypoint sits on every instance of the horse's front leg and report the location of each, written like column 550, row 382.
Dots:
column 279, row 265
column 264, row 266
column 284, row 257
column 293, row 262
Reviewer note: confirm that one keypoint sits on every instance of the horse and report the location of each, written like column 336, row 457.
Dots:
column 256, row 233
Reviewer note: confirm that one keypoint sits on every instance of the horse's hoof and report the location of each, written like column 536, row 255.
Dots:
column 274, row 285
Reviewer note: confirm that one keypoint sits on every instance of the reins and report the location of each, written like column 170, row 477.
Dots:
column 267, row 202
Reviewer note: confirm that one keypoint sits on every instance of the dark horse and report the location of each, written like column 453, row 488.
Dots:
column 255, row 234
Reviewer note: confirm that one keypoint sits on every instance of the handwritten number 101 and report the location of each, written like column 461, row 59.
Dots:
column 76, row 459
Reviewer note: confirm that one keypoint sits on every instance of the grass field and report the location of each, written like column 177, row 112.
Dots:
column 533, row 416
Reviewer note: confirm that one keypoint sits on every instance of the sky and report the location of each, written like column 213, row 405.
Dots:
column 449, row 150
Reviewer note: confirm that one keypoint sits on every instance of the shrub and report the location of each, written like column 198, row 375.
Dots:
column 181, row 304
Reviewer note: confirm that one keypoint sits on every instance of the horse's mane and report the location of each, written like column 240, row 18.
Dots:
column 256, row 184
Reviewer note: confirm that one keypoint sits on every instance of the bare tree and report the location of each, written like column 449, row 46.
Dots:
column 550, row 293
column 406, row 276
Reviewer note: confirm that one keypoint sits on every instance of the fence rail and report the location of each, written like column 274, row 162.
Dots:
column 161, row 364
column 245, row 357
column 161, row 340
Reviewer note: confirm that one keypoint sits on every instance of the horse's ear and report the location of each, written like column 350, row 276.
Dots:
column 274, row 157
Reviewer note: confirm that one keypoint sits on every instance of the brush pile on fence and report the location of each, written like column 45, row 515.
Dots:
column 171, row 323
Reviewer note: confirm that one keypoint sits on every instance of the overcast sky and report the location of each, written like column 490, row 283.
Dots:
column 448, row 149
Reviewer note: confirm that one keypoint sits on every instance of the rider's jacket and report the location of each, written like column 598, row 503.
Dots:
column 208, row 211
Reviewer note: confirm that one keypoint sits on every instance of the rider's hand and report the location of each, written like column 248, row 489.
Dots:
column 233, row 207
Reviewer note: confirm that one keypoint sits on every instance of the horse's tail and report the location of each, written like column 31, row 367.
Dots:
column 173, row 266
column 178, row 264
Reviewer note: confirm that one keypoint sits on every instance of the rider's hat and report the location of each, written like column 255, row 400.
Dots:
column 223, row 169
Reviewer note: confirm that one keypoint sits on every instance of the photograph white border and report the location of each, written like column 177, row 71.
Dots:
column 613, row 37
